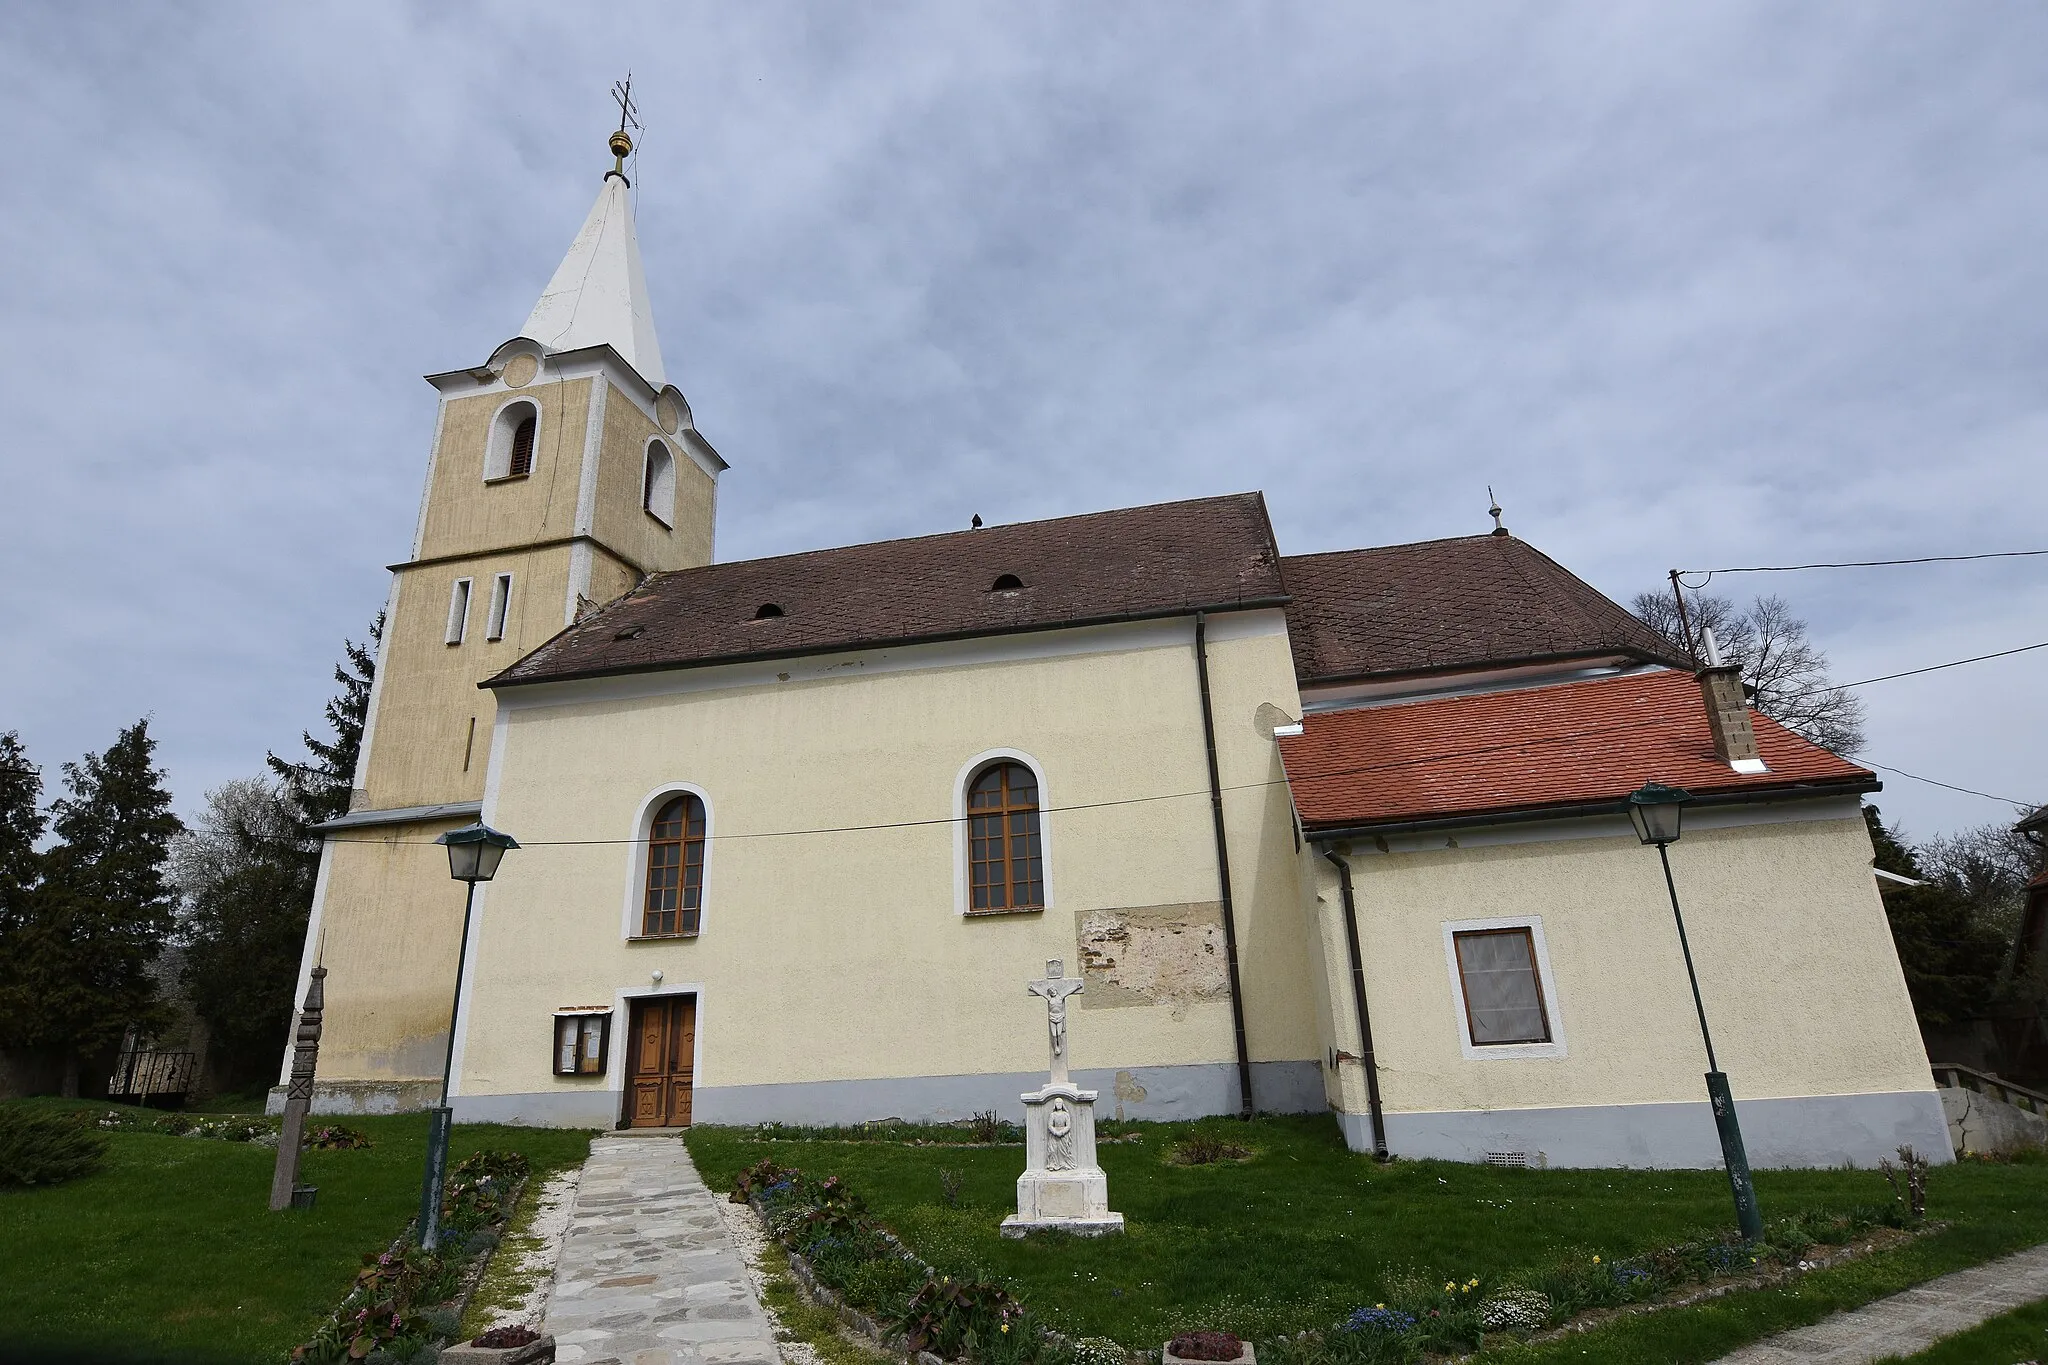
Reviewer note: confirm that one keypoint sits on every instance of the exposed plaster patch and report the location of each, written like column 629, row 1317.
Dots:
column 1168, row 955
column 1269, row 718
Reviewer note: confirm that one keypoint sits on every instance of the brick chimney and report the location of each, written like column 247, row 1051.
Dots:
column 1728, row 712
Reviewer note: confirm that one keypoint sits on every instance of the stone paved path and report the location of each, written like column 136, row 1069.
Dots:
column 1908, row 1322
column 647, row 1274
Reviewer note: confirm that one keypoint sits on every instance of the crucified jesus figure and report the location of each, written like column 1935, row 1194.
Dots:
column 1055, row 988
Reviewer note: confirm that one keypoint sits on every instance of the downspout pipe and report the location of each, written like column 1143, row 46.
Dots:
column 1244, row 1054
column 1366, row 1057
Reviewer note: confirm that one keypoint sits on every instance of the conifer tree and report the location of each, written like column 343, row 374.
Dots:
column 319, row 790
column 21, row 826
column 77, row 963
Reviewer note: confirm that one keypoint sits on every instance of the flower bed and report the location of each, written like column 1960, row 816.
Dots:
column 1424, row 1317
column 228, row 1128
column 848, row 1261
column 406, row 1300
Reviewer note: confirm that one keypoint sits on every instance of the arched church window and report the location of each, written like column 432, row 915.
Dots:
column 1006, row 871
column 514, row 431
column 658, row 483
column 675, row 869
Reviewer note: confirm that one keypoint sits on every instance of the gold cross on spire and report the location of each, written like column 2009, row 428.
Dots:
column 629, row 113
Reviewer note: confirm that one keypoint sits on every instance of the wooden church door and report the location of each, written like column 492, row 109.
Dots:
column 664, row 1060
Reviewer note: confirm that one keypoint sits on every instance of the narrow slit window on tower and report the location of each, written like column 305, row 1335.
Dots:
column 522, row 446
column 458, row 611
column 501, row 606
column 658, row 483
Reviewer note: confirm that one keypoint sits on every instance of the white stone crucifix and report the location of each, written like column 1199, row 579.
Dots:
column 1056, row 987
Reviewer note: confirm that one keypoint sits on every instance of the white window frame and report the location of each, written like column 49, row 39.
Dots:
column 458, row 610
column 963, row 870
column 636, row 862
column 498, row 449
column 501, row 607
column 658, row 497
column 1553, row 1006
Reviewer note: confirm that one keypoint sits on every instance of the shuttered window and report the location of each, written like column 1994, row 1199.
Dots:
column 1503, row 992
column 675, row 869
column 522, row 446
column 1003, row 839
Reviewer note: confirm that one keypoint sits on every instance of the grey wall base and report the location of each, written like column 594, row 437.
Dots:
column 1145, row 1092
column 364, row 1097
column 1817, row 1130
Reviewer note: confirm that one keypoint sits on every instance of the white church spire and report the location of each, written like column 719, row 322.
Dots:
column 599, row 293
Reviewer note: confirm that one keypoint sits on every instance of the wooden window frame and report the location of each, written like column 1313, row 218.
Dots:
column 1546, row 989
column 1008, row 859
column 689, row 918
column 585, row 1064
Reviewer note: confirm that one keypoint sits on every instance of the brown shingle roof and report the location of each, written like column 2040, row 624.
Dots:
column 1499, row 752
column 1443, row 604
column 1163, row 560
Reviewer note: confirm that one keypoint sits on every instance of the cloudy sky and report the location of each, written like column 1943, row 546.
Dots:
column 1698, row 286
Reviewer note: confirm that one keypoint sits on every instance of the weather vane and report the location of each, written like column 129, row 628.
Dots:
column 629, row 113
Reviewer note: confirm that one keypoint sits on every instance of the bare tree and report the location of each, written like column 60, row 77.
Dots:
column 1785, row 673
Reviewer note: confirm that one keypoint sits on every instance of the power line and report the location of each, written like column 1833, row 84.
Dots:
column 1855, row 564
column 1934, row 668
column 1950, row 786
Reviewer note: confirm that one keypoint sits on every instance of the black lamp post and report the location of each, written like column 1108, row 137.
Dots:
column 473, row 855
column 1655, row 813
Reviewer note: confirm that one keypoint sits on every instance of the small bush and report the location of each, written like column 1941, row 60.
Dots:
column 337, row 1137
column 1207, row 1346
column 46, row 1148
column 500, row 1338
column 1205, row 1149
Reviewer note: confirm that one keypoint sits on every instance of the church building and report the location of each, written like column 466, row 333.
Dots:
column 1342, row 832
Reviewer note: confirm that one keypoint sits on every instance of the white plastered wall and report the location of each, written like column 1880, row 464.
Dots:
column 1800, row 980
column 840, row 955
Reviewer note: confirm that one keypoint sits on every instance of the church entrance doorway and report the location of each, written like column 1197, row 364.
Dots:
column 664, row 1055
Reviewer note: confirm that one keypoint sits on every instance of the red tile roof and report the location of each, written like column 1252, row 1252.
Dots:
column 1570, row 744
column 1446, row 604
column 1168, row 559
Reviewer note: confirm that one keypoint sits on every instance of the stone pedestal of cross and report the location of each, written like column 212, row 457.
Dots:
column 285, row 1189
column 1061, row 1187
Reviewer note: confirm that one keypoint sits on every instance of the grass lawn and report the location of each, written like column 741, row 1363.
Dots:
column 1307, row 1231
column 2008, row 1339
column 172, row 1254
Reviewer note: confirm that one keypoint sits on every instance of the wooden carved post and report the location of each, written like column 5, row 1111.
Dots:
column 298, row 1095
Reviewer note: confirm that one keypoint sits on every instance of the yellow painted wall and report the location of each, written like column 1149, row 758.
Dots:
column 389, row 932
column 465, row 515
column 430, row 693
column 1801, row 983
column 828, row 956
column 621, row 522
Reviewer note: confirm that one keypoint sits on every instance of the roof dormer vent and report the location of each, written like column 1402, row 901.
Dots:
column 629, row 633
column 767, row 611
column 1008, row 582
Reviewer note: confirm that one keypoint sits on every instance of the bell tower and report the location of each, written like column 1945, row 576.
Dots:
column 564, row 469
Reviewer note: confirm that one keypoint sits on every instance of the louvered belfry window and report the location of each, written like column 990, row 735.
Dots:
column 675, row 869
column 522, row 447
column 1002, row 839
